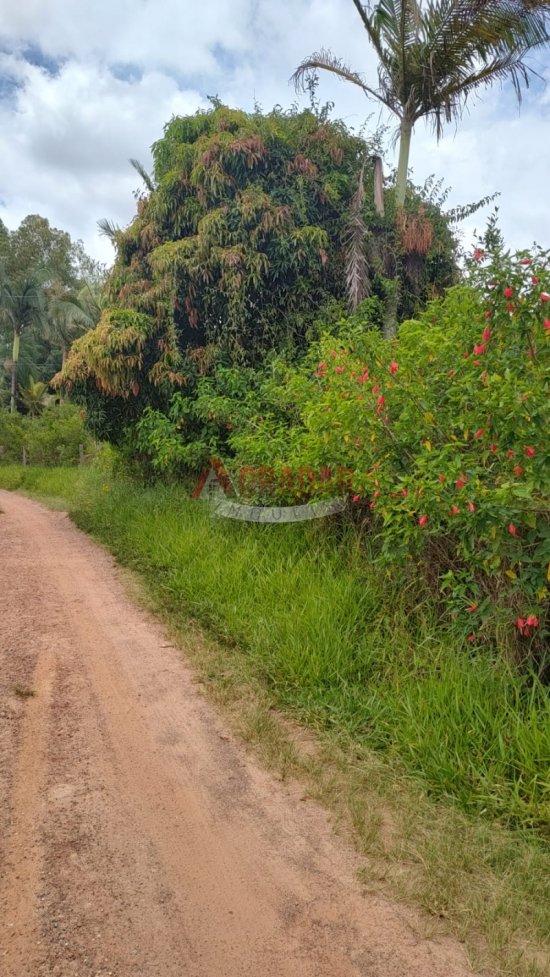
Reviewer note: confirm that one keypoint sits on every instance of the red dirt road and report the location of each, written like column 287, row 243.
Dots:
column 137, row 839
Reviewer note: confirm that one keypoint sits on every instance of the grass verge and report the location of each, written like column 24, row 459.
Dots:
column 428, row 755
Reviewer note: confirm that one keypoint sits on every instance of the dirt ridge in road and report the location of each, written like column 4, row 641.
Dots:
column 145, row 842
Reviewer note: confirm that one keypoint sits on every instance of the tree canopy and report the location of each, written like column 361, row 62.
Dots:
column 40, row 260
column 240, row 239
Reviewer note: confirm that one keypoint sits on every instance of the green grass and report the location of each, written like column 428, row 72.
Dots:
column 55, row 486
column 434, row 756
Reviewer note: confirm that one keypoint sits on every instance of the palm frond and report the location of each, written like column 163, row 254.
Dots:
column 328, row 62
column 139, row 168
column 110, row 230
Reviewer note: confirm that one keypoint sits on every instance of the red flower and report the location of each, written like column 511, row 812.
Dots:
column 356, row 498
column 381, row 400
column 512, row 529
column 376, row 389
column 339, row 369
column 479, row 350
column 526, row 261
column 544, row 297
column 471, row 507
column 479, row 254
column 461, row 482
column 486, row 334
column 479, row 434
column 455, row 510
column 441, row 478
column 472, row 608
column 393, row 368
column 530, row 452
column 547, row 324
column 333, row 352
column 372, row 506
column 471, row 637
column 524, row 625
column 508, row 292
column 534, row 279
column 509, row 306
column 493, row 448
column 423, row 520
column 487, row 313
column 510, row 453
column 518, row 470
column 404, row 493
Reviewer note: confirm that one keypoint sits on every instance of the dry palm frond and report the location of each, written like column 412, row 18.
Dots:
column 415, row 232
column 357, row 272
column 378, row 186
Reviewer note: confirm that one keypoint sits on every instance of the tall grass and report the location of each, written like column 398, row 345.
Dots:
column 341, row 647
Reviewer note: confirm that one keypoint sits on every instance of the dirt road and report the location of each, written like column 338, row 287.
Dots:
column 137, row 839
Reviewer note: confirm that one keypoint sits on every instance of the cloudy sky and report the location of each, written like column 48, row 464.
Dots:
column 87, row 84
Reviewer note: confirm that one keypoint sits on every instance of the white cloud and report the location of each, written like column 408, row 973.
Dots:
column 124, row 67
column 66, row 140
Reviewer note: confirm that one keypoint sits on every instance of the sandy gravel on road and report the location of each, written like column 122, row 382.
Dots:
column 137, row 838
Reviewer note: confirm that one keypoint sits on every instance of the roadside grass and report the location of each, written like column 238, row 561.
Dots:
column 433, row 758
column 54, row 486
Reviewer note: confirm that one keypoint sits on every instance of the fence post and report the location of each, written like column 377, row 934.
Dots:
column 80, row 454
column 24, row 456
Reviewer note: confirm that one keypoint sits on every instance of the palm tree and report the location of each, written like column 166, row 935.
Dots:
column 70, row 315
column 34, row 396
column 434, row 54
column 22, row 305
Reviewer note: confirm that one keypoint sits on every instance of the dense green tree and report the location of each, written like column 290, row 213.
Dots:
column 239, row 238
column 71, row 282
column 22, row 307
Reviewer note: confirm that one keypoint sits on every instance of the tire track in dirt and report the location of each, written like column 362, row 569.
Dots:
column 23, row 851
column 161, row 848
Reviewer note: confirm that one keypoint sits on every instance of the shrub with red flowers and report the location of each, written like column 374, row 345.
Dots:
column 445, row 434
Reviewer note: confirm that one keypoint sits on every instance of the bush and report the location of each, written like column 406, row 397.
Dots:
column 444, row 432
column 53, row 438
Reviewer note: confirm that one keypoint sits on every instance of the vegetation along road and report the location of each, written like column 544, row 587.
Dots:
column 136, row 838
